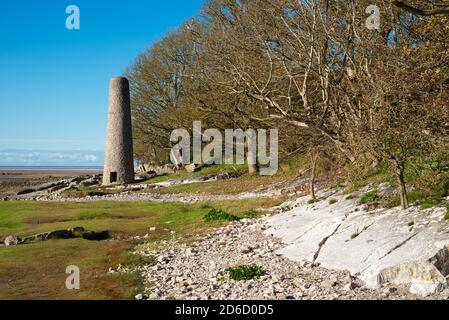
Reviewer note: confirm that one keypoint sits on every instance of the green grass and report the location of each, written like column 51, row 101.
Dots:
column 250, row 214
column 390, row 202
column 287, row 170
column 135, row 259
column 370, row 197
column 429, row 203
column 37, row 270
column 205, row 171
column 243, row 272
column 23, row 218
column 359, row 177
column 228, row 186
column 219, row 215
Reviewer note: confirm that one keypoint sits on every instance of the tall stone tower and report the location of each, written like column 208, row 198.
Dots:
column 119, row 162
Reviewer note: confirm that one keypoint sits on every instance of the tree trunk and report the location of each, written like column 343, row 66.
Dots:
column 401, row 182
column 314, row 161
column 251, row 159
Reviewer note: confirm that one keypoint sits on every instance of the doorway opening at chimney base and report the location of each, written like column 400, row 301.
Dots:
column 113, row 177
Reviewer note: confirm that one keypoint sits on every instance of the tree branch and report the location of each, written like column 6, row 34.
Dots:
column 422, row 12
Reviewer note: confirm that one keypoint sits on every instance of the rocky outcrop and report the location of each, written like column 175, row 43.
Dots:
column 381, row 246
column 198, row 270
column 148, row 168
column 59, row 186
column 71, row 233
column 11, row 241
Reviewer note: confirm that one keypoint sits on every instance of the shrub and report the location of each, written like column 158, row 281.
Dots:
column 244, row 272
column 219, row 215
column 390, row 202
column 414, row 196
column 370, row 197
column 429, row 203
column 333, row 201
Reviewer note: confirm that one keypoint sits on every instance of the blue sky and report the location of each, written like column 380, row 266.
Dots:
column 54, row 81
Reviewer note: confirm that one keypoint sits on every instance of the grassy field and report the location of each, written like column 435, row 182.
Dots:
column 288, row 170
column 37, row 270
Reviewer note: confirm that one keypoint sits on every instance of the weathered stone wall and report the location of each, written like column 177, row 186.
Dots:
column 119, row 147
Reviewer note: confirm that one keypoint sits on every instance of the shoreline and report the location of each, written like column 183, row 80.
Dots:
column 17, row 174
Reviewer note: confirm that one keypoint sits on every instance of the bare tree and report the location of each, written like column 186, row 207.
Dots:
column 441, row 9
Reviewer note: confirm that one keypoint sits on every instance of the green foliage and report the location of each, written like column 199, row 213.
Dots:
column 429, row 203
column 359, row 175
column 370, row 197
column 219, row 215
column 415, row 196
column 134, row 260
column 333, row 201
column 124, row 219
column 390, row 202
column 250, row 214
column 244, row 272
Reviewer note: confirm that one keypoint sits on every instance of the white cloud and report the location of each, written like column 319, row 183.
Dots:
column 91, row 158
column 50, row 158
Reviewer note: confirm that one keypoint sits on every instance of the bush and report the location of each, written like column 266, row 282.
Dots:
column 390, row 202
column 244, row 272
column 431, row 175
column 333, row 201
column 429, row 203
column 370, row 197
column 219, row 215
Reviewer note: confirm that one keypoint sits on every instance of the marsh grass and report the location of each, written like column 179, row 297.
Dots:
column 37, row 270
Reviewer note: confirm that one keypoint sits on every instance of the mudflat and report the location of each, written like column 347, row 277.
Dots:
column 21, row 175
column 13, row 180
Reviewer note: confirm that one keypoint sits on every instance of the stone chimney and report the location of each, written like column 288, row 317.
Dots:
column 119, row 161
